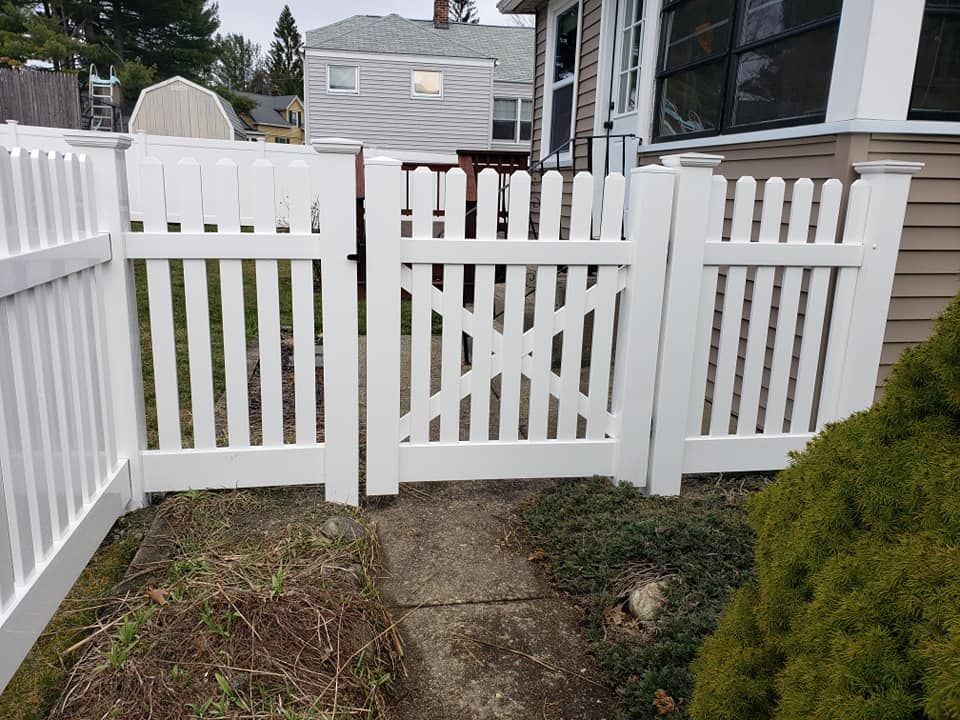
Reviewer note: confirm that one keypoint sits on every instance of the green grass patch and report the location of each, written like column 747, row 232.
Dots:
column 35, row 688
column 593, row 535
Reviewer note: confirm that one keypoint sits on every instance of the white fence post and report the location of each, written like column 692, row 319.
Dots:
column 881, row 225
column 384, row 198
column 112, row 215
column 638, row 333
column 688, row 236
column 337, row 198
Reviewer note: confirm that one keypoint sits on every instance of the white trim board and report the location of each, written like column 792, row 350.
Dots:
column 388, row 57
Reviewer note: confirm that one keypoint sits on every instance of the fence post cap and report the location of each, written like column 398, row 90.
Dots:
column 336, row 145
column 653, row 169
column 888, row 167
column 695, row 160
column 13, row 122
column 96, row 139
column 383, row 160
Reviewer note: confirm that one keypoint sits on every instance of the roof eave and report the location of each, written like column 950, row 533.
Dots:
column 518, row 7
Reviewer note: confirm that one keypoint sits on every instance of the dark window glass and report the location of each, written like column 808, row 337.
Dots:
column 526, row 119
column 786, row 80
column 765, row 18
column 565, row 57
column 691, row 100
column 561, row 116
column 697, row 30
column 936, row 80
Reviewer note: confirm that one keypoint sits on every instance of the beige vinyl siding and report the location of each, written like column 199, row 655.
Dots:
column 384, row 114
column 586, row 95
column 182, row 111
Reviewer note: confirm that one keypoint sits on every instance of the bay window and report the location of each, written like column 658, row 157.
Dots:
column 738, row 65
column 936, row 79
column 512, row 119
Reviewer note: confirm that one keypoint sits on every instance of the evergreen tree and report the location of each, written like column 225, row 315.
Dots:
column 238, row 60
column 464, row 11
column 285, row 63
column 27, row 35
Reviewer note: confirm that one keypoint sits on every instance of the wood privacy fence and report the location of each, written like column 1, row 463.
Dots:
column 669, row 344
column 40, row 97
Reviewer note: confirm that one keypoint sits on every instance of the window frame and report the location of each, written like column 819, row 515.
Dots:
column 637, row 29
column 413, row 84
column 518, row 118
column 729, row 58
column 281, row 140
column 299, row 121
column 356, row 79
column 932, row 7
column 554, row 10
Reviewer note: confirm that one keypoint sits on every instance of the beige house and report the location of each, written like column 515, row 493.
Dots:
column 788, row 88
column 279, row 118
column 182, row 108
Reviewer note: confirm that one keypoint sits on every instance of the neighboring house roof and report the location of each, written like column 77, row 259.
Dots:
column 239, row 125
column 511, row 47
column 271, row 109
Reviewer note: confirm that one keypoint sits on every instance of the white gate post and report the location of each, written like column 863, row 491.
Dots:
column 688, row 237
column 383, row 204
column 106, row 152
column 889, row 183
column 638, row 330
column 337, row 199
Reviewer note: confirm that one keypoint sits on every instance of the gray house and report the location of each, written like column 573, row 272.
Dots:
column 420, row 90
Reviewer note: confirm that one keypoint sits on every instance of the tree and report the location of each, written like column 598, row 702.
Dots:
column 285, row 63
column 238, row 61
column 134, row 77
column 26, row 35
column 464, row 11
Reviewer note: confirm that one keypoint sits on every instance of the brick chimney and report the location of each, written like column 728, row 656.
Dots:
column 441, row 14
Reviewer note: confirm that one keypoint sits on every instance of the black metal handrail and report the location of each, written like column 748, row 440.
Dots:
column 555, row 157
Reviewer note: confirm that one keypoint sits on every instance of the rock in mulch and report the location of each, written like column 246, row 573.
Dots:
column 340, row 527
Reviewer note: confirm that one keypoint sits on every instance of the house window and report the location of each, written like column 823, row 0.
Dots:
column 562, row 76
column 936, row 79
column 737, row 65
column 630, row 36
column 295, row 118
column 282, row 140
column 512, row 119
column 427, row 83
column 343, row 79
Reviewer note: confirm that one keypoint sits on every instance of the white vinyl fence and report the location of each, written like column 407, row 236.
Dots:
column 681, row 341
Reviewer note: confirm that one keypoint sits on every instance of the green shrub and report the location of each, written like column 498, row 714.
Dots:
column 855, row 609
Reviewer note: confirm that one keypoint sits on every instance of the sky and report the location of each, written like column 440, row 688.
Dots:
column 256, row 19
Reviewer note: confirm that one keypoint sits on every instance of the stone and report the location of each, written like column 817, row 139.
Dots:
column 340, row 526
column 644, row 600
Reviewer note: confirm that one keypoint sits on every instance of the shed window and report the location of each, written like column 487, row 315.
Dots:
column 427, row 83
column 936, row 79
column 737, row 65
column 343, row 79
column 512, row 119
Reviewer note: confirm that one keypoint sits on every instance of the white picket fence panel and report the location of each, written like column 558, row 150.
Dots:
column 228, row 458
column 64, row 480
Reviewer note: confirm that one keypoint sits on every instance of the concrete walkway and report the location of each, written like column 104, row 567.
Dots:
column 485, row 636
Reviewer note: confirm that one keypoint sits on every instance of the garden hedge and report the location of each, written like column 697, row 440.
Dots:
column 855, row 610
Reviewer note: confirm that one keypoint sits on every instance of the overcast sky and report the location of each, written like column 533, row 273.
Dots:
column 257, row 19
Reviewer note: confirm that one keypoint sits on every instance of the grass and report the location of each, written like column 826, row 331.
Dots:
column 38, row 682
column 595, row 538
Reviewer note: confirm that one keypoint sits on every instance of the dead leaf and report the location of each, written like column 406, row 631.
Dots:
column 663, row 703
column 537, row 556
column 158, row 595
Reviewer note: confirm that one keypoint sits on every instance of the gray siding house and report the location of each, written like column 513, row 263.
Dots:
column 421, row 90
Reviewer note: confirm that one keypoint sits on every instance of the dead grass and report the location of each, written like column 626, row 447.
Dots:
column 280, row 622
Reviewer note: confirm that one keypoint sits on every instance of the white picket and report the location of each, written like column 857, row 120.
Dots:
column 736, row 279
column 611, row 220
column 304, row 322
column 232, row 309
column 190, row 187
column 454, row 217
column 705, row 315
column 515, row 285
column 268, row 309
column 422, row 192
column 800, row 207
column 551, row 189
column 480, row 369
column 574, row 310
column 770, row 221
column 814, row 312
column 160, row 299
